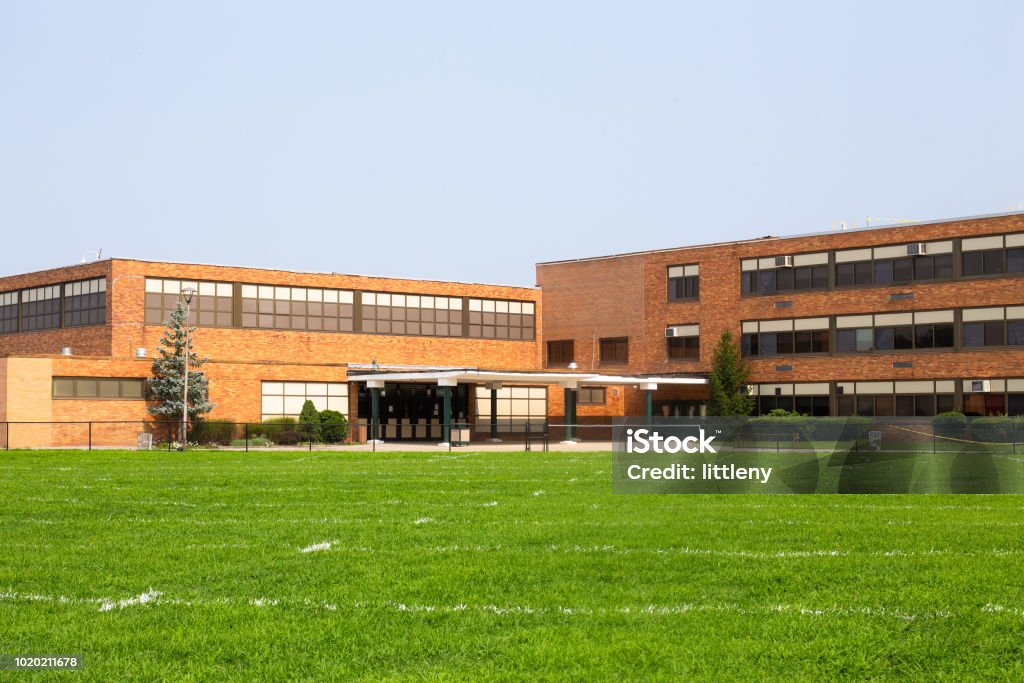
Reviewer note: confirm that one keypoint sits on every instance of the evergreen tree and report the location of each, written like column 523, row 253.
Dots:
column 729, row 376
column 168, row 378
column 309, row 421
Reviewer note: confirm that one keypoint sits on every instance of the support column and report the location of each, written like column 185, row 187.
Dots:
column 375, row 386
column 493, row 387
column 445, row 386
column 570, row 412
column 649, row 401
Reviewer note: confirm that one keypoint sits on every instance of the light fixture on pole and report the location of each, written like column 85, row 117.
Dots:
column 187, row 293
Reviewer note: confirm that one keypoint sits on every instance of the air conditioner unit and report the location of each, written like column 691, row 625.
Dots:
column 918, row 249
column 982, row 386
column 670, row 331
column 783, row 261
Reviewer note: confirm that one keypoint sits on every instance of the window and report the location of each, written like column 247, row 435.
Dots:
column 428, row 316
column 684, row 282
column 684, row 344
column 40, row 308
column 100, row 387
column 992, row 255
column 806, row 399
column 894, row 331
column 784, row 337
column 560, row 353
column 8, row 312
column 615, row 350
column 212, row 305
column 499, row 319
column 983, row 333
column 591, row 396
column 989, row 326
column 895, row 399
column 768, row 276
column 515, row 407
column 285, row 399
column 297, row 308
column 894, row 264
column 85, row 303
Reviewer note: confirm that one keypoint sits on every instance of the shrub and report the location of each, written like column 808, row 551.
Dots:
column 333, row 426
column 1001, row 429
column 281, row 430
column 207, row 433
column 950, row 424
column 309, row 421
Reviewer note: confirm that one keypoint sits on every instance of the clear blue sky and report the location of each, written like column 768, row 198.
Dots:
column 469, row 140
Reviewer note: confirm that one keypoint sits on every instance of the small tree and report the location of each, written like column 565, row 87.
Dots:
column 168, row 380
column 729, row 376
column 309, row 421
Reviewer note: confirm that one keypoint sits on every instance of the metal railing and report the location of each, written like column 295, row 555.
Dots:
column 252, row 436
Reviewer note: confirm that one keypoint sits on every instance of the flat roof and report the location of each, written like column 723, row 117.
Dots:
column 767, row 238
column 108, row 259
column 473, row 376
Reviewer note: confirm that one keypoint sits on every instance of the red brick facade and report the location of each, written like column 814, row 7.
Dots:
column 583, row 301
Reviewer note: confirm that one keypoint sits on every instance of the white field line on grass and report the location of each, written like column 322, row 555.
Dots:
column 712, row 552
column 152, row 599
column 324, row 545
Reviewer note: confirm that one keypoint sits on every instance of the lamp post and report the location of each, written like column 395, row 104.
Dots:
column 188, row 293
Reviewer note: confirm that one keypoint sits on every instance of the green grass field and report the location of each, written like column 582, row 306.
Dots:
column 490, row 566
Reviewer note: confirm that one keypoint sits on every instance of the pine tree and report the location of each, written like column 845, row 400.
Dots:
column 729, row 376
column 167, row 381
column 309, row 421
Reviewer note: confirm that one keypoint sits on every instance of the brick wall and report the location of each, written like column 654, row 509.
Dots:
column 601, row 296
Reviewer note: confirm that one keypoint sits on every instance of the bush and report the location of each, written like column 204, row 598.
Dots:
column 333, row 426
column 280, row 430
column 309, row 421
column 207, row 433
column 997, row 429
column 952, row 424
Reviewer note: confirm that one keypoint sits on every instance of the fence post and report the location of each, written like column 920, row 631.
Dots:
column 246, row 425
column 168, row 437
column 309, row 435
column 90, row 435
column 527, row 435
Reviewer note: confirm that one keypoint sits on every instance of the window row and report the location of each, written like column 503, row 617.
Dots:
column 885, row 265
column 212, row 304
column 50, row 307
column 998, row 326
column 331, row 310
column 124, row 389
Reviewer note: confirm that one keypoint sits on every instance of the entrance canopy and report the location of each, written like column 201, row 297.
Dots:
column 571, row 380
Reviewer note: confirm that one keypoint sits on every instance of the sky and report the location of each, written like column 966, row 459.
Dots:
column 470, row 140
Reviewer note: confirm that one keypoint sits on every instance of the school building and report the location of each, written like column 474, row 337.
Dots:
column 904, row 320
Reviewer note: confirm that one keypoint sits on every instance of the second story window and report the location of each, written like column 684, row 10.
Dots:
column 993, row 326
column 783, row 337
column 560, row 353
column 615, row 351
column 894, row 331
column 683, row 282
